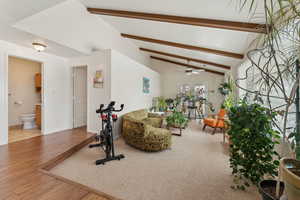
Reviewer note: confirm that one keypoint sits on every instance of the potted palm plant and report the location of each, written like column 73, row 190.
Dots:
column 290, row 168
column 273, row 60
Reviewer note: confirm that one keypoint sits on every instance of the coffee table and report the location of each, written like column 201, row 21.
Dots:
column 173, row 127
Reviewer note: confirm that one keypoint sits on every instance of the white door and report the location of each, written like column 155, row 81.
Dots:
column 79, row 96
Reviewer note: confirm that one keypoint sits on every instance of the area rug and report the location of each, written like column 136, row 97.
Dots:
column 196, row 168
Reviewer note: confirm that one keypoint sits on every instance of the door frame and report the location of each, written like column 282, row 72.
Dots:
column 42, row 90
column 73, row 97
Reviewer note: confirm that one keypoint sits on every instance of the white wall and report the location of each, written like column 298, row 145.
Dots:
column 96, row 96
column 127, row 84
column 3, row 98
column 173, row 76
column 57, row 93
column 123, row 78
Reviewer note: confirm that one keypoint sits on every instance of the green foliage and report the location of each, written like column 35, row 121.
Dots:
column 225, row 88
column 230, row 99
column 177, row 119
column 294, row 139
column 252, row 154
column 161, row 104
column 170, row 103
column 275, row 57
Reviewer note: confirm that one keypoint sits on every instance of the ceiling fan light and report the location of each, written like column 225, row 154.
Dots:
column 39, row 46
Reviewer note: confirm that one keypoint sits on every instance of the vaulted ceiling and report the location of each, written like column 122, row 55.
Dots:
column 212, row 38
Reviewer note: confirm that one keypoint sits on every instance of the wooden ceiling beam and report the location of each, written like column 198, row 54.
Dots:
column 187, row 65
column 211, row 23
column 184, row 46
column 187, row 58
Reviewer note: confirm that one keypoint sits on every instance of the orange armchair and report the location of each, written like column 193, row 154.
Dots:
column 217, row 122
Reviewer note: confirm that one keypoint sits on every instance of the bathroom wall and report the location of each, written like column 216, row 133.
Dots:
column 21, row 88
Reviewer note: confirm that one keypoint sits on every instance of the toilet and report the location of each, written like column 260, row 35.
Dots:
column 28, row 121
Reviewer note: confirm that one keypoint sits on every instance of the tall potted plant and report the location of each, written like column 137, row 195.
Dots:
column 290, row 168
column 253, row 140
column 273, row 61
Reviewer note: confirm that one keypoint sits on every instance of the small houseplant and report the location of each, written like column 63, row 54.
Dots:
column 225, row 88
column 170, row 103
column 230, row 97
column 252, row 144
column 177, row 120
column 161, row 104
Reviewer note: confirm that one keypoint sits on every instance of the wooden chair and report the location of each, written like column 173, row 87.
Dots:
column 217, row 122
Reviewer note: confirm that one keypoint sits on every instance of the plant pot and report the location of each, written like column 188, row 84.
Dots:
column 290, row 171
column 267, row 189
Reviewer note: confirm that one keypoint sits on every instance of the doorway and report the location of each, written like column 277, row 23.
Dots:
column 80, row 96
column 25, row 97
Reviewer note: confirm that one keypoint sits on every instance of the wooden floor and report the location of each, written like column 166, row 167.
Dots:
column 18, row 134
column 20, row 163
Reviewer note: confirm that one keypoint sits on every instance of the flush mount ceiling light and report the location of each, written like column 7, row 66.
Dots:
column 39, row 46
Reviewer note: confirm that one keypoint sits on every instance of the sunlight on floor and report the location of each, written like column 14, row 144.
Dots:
column 18, row 134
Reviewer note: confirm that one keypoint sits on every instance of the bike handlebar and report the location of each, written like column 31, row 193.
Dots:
column 110, row 108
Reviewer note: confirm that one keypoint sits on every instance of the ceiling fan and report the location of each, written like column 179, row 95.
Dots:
column 193, row 71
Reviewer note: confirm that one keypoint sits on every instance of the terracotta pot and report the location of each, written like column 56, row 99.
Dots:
column 292, row 181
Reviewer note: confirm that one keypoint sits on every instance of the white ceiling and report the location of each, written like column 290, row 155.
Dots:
column 214, row 9
column 226, row 40
column 220, row 39
column 12, row 11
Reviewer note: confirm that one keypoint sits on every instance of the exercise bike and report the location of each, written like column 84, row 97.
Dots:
column 105, row 138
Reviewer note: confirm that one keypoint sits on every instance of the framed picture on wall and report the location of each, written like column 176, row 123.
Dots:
column 98, row 79
column 146, row 85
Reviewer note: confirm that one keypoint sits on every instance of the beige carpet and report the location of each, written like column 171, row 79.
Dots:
column 195, row 168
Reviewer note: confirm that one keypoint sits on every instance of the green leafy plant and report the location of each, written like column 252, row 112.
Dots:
column 225, row 88
column 273, row 57
column 161, row 104
column 230, row 98
column 170, row 103
column 176, row 119
column 252, row 154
